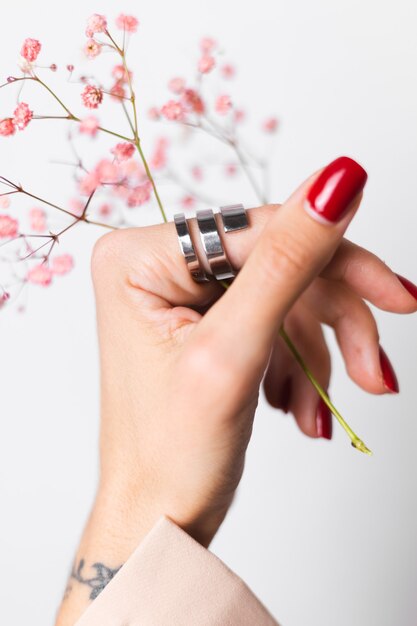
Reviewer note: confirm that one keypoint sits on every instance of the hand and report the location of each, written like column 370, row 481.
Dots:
column 182, row 363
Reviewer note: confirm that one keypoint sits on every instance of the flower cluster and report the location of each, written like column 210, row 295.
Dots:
column 109, row 190
column 125, row 177
column 21, row 118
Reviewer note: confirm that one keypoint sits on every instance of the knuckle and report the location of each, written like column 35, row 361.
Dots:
column 105, row 251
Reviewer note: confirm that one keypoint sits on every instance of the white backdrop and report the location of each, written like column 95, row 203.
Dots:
column 322, row 534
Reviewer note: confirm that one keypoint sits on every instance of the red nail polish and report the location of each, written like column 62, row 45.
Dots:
column 335, row 189
column 285, row 398
column 388, row 375
column 324, row 422
column 411, row 287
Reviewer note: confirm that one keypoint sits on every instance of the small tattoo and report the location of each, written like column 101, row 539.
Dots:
column 102, row 577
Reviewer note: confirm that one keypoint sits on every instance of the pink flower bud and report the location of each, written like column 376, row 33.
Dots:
column 62, row 264
column 96, row 23
column 92, row 96
column 40, row 275
column 123, row 151
column 127, row 23
column 7, row 127
column 9, row 227
column 30, row 49
column 270, row 125
column 206, row 64
column 223, row 105
column 22, row 115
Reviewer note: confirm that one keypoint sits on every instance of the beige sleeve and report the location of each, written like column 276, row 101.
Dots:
column 171, row 580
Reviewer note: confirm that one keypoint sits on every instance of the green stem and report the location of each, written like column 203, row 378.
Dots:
column 151, row 179
column 356, row 441
column 136, row 141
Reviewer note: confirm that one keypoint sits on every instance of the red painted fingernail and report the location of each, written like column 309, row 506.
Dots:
column 324, row 422
column 284, row 401
column 335, row 189
column 388, row 375
column 411, row 287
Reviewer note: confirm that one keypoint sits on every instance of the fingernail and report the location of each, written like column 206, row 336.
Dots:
column 324, row 422
column 388, row 375
column 411, row 287
column 335, row 189
column 285, row 398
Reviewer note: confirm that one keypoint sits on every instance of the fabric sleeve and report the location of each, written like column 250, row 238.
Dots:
column 171, row 580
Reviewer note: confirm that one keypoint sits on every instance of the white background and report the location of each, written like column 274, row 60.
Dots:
column 323, row 534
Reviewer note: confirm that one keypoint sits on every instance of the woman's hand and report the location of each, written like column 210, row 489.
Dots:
column 182, row 363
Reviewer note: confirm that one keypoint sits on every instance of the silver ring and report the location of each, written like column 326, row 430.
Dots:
column 213, row 247
column 234, row 217
column 187, row 248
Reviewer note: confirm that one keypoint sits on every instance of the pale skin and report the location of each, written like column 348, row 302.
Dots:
column 182, row 365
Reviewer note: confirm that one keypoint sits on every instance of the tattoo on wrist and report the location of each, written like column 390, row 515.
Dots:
column 96, row 582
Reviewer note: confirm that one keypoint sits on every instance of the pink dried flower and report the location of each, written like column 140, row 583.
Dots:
column 118, row 91
column 153, row 113
column 228, row 71
column 127, row 22
column 139, row 195
column 173, row 110
column 89, row 126
column 119, row 74
column 123, row 151
column 3, row 298
column 197, row 172
column 96, row 24
column 37, row 220
column 70, row 68
column 105, row 210
column 22, row 115
column 106, row 171
column 30, row 49
column 88, row 184
column 9, row 227
column 159, row 157
column 91, row 96
column 270, row 125
column 223, row 105
column 231, row 169
column 176, row 85
column 206, row 64
column 188, row 202
column 207, row 44
column 53, row 67
column 239, row 116
column 7, row 127
column 92, row 48
column 40, row 275
column 192, row 100
column 62, row 264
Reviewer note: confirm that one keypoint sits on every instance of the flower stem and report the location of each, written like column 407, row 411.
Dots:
column 356, row 441
column 134, row 127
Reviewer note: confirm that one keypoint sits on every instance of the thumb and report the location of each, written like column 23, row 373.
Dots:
column 297, row 243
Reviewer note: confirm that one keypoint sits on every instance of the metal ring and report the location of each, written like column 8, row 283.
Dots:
column 187, row 248
column 234, row 217
column 213, row 247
